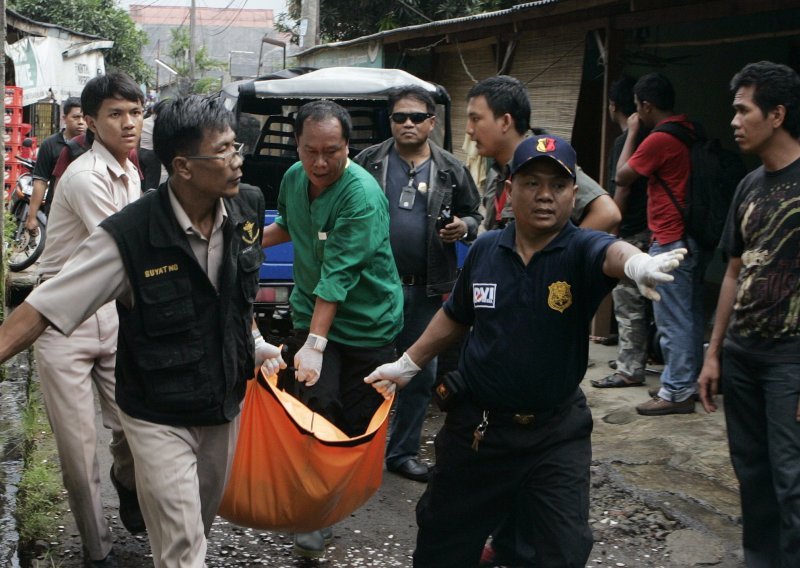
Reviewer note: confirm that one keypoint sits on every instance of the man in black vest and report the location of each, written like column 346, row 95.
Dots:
column 182, row 264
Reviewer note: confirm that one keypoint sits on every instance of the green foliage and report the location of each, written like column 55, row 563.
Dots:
column 95, row 17
column 41, row 495
column 179, row 58
column 9, row 227
column 348, row 19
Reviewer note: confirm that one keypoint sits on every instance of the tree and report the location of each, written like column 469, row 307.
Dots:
column 347, row 19
column 95, row 17
column 179, row 55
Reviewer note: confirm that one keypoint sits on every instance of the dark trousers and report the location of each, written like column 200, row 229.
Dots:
column 542, row 467
column 764, row 436
column 340, row 394
column 412, row 401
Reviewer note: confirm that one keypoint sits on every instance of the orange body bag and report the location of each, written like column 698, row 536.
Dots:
column 295, row 471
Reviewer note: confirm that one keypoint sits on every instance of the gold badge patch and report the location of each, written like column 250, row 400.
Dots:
column 250, row 232
column 560, row 296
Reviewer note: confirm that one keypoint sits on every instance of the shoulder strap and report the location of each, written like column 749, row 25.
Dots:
column 75, row 149
column 671, row 196
column 683, row 133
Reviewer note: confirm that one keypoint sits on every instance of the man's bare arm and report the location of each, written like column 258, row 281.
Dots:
column 708, row 381
column 20, row 330
column 441, row 332
column 37, row 196
column 273, row 235
column 602, row 214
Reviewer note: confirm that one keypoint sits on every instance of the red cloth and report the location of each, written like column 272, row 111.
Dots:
column 64, row 159
column 663, row 154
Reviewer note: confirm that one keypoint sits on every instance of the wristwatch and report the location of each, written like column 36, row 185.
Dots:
column 316, row 342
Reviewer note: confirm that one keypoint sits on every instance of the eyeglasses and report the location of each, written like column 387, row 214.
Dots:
column 416, row 117
column 238, row 150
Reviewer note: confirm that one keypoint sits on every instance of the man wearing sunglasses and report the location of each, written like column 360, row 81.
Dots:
column 423, row 183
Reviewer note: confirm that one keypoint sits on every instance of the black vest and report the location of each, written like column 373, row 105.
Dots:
column 185, row 350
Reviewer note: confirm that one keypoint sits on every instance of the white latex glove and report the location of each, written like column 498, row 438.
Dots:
column 308, row 360
column 268, row 356
column 387, row 378
column 650, row 271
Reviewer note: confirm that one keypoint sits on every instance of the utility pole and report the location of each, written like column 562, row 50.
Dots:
column 192, row 22
column 158, row 56
column 309, row 23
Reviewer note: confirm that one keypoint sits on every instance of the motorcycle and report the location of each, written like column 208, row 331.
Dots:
column 24, row 248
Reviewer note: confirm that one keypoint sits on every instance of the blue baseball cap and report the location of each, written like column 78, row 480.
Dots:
column 545, row 146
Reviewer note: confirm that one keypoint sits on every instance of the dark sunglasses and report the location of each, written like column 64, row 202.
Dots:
column 416, row 117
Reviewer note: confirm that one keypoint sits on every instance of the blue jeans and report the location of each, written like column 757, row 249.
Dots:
column 681, row 322
column 412, row 402
column 764, row 437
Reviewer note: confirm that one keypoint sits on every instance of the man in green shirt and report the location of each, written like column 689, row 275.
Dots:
column 347, row 302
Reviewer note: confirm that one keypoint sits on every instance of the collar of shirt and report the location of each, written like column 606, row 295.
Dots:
column 508, row 237
column 674, row 118
column 116, row 170
column 220, row 215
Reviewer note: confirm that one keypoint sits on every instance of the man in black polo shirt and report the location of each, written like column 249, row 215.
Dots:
column 518, row 430
column 46, row 159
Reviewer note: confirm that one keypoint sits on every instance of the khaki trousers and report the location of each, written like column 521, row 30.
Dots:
column 180, row 477
column 67, row 369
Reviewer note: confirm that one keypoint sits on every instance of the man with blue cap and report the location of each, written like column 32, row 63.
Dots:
column 518, row 429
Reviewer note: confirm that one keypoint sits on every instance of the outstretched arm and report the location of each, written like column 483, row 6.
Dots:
column 441, row 332
column 623, row 259
column 20, row 330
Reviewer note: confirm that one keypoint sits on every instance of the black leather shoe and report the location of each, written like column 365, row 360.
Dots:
column 412, row 469
column 129, row 512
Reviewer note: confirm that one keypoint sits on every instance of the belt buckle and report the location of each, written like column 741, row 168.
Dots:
column 523, row 419
column 409, row 280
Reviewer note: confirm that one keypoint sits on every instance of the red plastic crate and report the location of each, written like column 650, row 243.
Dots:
column 13, row 116
column 15, row 134
column 12, row 135
column 10, row 153
column 11, row 172
column 13, row 96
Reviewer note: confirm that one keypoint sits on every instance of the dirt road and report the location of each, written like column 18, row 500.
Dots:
column 663, row 495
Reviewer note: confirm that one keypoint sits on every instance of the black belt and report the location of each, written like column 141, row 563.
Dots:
column 530, row 418
column 411, row 280
column 523, row 419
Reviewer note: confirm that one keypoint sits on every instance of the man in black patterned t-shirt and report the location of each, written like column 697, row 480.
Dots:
column 755, row 345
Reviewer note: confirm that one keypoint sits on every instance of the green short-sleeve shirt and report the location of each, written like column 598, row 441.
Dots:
column 342, row 254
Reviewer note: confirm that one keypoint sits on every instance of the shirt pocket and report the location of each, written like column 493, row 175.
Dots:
column 249, row 263
column 167, row 307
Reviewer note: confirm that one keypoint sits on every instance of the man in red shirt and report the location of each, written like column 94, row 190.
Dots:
column 663, row 159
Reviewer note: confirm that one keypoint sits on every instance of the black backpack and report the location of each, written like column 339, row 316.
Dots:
column 75, row 149
column 715, row 173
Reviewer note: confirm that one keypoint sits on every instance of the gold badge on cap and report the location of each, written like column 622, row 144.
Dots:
column 560, row 296
column 546, row 145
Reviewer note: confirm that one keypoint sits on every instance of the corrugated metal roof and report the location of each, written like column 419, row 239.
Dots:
column 433, row 25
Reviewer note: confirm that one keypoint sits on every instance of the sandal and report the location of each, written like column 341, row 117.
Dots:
column 616, row 381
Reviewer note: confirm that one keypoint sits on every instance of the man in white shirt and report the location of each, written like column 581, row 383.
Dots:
column 97, row 184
